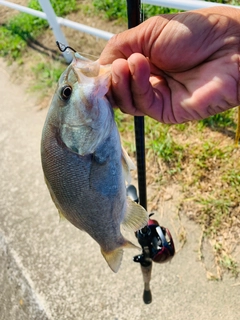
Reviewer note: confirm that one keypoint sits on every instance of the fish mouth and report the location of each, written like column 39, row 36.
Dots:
column 87, row 67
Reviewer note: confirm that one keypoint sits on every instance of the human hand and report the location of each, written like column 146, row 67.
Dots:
column 176, row 68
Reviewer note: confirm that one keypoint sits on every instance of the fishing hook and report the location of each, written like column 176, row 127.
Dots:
column 63, row 48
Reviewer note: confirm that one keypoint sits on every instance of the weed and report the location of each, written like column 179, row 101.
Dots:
column 181, row 126
column 119, row 118
column 47, row 74
column 149, row 10
column 10, row 44
column 207, row 155
column 225, row 260
column 220, row 120
column 112, row 9
column 215, row 211
column 118, row 9
column 229, row 264
column 160, row 140
column 232, row 178
column 167, row 148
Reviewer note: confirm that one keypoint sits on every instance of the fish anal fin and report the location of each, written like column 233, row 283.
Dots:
column 113, row 258
column 136, row 217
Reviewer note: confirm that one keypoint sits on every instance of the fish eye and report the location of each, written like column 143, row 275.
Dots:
column 66, row 92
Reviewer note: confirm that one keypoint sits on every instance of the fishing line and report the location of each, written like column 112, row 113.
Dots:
column 62, row 47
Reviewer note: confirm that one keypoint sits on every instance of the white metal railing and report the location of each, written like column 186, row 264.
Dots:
column 185, row 4
column 55, row 22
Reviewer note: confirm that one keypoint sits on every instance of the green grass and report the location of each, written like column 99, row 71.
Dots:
column 227, row 263
column 113, row 10
column 220, row 120
column 47, row 74
column 161, row 141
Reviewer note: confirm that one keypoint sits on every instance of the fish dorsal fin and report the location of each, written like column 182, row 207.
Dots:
column 136, row 217
column 127, row 165
column 113, row 258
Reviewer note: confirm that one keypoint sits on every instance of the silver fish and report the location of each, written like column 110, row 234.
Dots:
column 84, row 166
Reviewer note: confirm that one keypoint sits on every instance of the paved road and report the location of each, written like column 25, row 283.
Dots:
column 51, row 270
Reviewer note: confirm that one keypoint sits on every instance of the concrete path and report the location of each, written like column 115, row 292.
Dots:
column 51, row 270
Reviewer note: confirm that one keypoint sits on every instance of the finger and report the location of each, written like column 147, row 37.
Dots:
column 150, row 95
column 142, row 92
column 119, row 47
column 121, row 90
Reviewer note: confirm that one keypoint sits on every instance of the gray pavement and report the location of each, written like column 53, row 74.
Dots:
column 51, row 270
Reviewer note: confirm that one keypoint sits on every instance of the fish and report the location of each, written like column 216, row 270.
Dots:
column 85, row 167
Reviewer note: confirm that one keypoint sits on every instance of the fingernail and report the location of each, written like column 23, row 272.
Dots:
column 115, row 78
column 131, row 66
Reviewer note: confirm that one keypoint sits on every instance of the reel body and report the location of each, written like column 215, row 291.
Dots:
column 158, row 240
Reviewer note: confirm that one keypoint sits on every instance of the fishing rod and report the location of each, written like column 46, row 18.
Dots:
column 155, row 240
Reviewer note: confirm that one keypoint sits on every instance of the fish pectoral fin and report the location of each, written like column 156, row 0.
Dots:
column 136, row 217
column 127, row 165
column 113, row 258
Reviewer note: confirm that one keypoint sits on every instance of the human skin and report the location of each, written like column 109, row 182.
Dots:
column 177, row 68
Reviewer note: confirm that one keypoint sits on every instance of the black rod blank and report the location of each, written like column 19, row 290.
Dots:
column 134, row 19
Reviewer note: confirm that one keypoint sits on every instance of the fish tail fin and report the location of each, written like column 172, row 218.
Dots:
column 136, row 217
column 114, row 258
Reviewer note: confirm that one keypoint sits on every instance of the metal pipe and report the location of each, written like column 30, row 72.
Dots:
column 83, row 28
column 15, row 6
column 185, row 4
